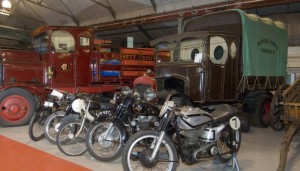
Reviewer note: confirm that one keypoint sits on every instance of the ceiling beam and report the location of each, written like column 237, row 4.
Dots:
column 37, row 14
column 52, row 9
column 71, row 14
column 141, row 29
column 153, row 3
column 191, row 12
column 109, row 8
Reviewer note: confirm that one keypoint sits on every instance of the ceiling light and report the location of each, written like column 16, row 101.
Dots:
column 6, row 4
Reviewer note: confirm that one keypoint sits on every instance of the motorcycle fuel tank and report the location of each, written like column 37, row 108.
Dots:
column 192, row 118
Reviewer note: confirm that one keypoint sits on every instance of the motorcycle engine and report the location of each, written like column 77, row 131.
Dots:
column 195, row 148
column 145, row 122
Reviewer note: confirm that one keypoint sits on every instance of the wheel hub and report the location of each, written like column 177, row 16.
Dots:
column 145, row 159
column 14, row 107
column 107, row 142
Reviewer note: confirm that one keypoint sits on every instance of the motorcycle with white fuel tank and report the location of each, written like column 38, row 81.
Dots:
column 189, row 133
column 72, row 131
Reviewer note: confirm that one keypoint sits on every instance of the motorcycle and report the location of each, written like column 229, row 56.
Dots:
column 135, row 111
column 57, row 100
column 72, row 131
column 189, row 133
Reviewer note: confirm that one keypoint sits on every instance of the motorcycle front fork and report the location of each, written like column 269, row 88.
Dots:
column 108, row 131
column 157, row 145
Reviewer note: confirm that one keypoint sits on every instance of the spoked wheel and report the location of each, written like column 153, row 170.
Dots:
column 36, row 125
column 138, row 149
column 276, row 110
column 52, row 124
column 71, row 138
column 101, row 148
column 225, row 143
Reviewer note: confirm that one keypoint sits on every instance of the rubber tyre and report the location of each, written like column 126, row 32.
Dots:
column 24, row 95
column 91, row 141
column 67, row 145
column 49, row 127
column 36, row 125
column 225, row 137
column 261, row 111
column 167, row 140
column 245, row 122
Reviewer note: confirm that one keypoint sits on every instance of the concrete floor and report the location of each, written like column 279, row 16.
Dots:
column 260, row 151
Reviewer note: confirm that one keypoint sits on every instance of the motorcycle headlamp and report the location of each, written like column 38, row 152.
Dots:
column 116, row 99
column 126, row 91
column 149, row 94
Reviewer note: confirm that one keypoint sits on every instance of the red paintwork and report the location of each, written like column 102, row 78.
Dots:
column 266, row 112
column 27, row 69
column 14, row 108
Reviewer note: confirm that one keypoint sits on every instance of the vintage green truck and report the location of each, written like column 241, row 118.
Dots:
column 226, row 57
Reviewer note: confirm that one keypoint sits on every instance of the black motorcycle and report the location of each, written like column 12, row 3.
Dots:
column 135, row 111
column 189, row 133
column 57, row 101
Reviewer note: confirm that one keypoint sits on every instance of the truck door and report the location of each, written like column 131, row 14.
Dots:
column 63, row 58
column 218, row 53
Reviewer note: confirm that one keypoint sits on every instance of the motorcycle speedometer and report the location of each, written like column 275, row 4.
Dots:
column 126, row 91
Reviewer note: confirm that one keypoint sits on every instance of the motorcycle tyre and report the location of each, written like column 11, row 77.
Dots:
column 89, row 145
column 145, row 133
column 56, row 114
column 36, row 119
column 225, row 160
column 60, row 143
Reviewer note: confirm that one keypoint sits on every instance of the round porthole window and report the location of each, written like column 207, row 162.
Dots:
column 218, row 52
column 233, row 50
column 193, row 53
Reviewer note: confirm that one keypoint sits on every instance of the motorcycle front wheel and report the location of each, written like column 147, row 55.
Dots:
column 138, row 150
column 227, row 138
column 36, row 125
column 104, row 149
column 71, row 139
column 52, row 124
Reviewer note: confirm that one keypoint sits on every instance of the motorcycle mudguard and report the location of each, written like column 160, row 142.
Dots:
column 119, row 124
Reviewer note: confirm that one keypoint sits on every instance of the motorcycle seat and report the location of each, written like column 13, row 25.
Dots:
column 222, row 113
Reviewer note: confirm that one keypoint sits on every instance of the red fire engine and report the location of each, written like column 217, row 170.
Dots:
column 64, row 58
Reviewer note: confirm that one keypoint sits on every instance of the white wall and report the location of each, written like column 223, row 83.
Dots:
column 293, row 64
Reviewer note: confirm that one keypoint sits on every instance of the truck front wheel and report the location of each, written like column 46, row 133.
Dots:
column 261, row 117
column 16, row 107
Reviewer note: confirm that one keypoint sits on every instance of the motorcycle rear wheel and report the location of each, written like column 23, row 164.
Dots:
column 104, row 150
column 36, row 125
column 139, row 148
column 69, row 142
column 225, row 143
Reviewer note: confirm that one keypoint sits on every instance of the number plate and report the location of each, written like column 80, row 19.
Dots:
column 235, row 123
column 48, row 104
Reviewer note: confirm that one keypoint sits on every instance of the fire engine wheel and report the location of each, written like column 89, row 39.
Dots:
column 16, row 107
column 261, row 117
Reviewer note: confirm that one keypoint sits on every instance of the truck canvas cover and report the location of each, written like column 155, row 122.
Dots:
column 264, row 42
